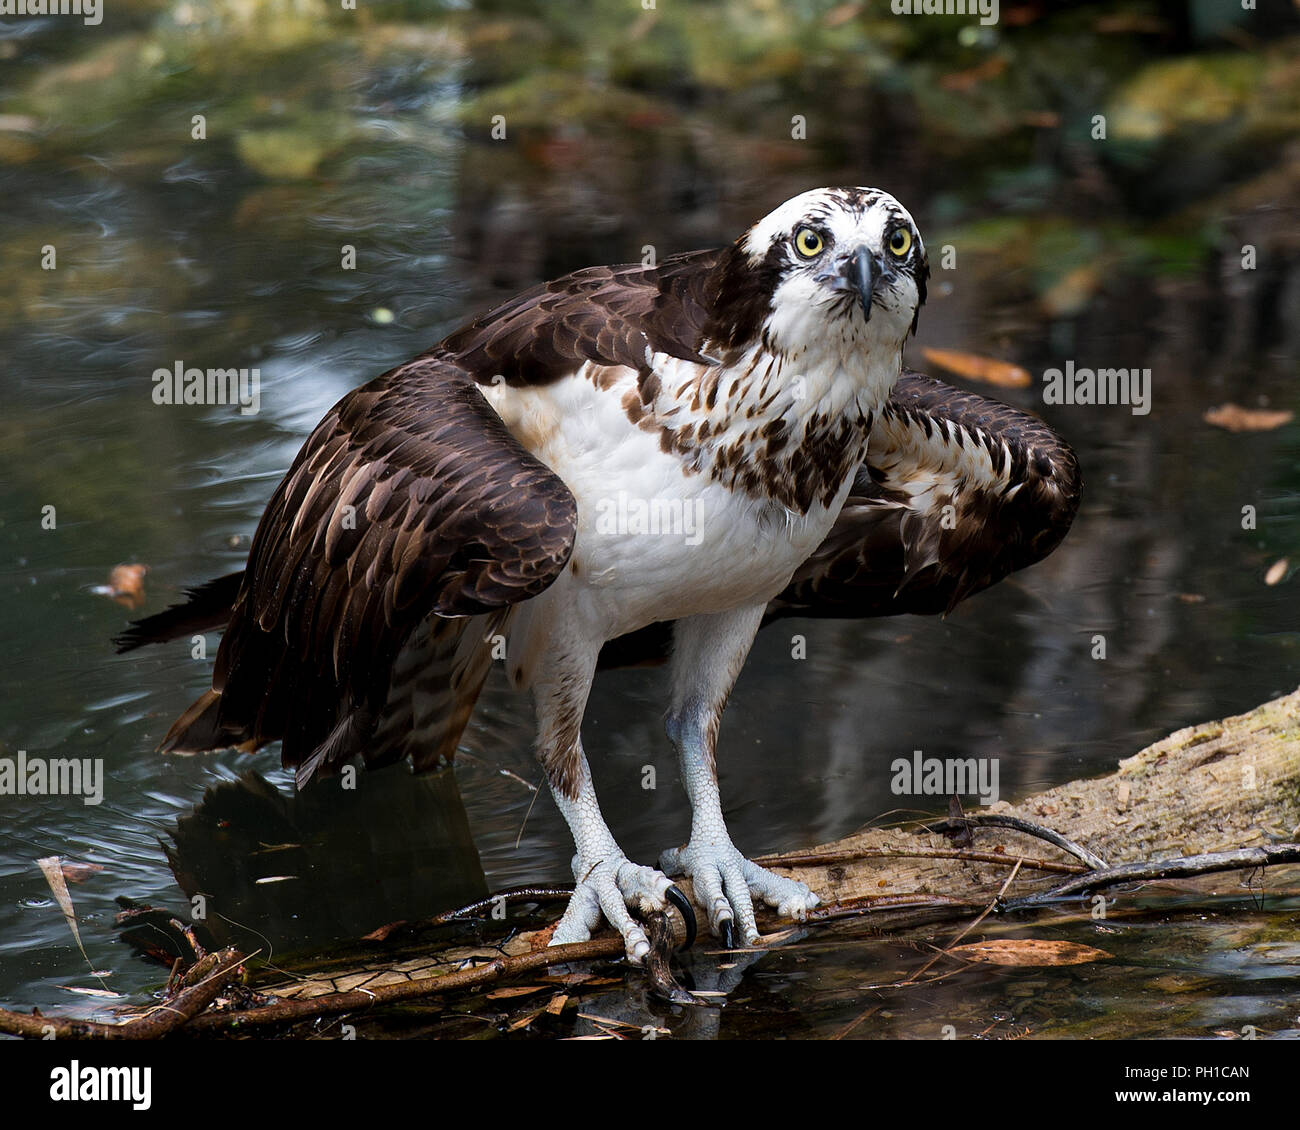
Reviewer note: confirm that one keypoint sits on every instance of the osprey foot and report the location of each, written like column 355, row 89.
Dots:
column 726, row 884
column 605, row 889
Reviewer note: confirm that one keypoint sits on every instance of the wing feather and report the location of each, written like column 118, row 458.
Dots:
column 607, row 315
column 956, row 492
column 410, row 499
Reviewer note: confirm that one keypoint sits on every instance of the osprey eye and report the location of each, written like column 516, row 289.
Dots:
column 900, row 243
column 808, row 243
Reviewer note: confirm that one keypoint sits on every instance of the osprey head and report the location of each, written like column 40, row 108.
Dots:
column 831, row 266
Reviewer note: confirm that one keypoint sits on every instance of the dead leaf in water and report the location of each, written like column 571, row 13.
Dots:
column 965, row 81
column 514, row 991
column 976, row 368
column 125, row 585
column 85, row 991
column 79, row 872
column 1235, row 418
column 1028, row 951
column 53, row 872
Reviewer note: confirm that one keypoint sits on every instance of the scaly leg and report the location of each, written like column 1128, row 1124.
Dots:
column 608, row 883
column 708, row 653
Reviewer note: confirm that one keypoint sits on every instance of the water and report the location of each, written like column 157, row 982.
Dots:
column 227, row 252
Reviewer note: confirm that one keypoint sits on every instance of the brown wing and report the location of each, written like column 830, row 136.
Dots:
column 609, row 315
column 956, row 492
column 410, row 498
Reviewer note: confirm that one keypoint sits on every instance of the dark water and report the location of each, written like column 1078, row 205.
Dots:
column 625, row 130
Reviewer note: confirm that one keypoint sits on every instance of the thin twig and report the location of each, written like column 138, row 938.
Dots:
column 1015, row 824
column 1180, row 867
column 510, row 894
column 868, row 904
column 851, row 855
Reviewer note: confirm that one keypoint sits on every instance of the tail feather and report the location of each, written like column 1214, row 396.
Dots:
column 434, row 684
column 198, row 728
column 205, row 608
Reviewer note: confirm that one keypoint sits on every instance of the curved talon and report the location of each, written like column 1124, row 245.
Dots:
column 674, row 895
column 727, row 933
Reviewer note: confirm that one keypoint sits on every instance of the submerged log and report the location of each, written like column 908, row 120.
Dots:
column 1213, row 787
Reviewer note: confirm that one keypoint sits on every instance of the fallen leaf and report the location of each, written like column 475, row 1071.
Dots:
column 125, row 585
column 1028, row 951
column 79, row 872
column 90, row 992
column 605, row 1021
column 965, row 81
column 524, row 1020
column 1235, row 418
column 514, row 991
column 977, row 368
column 54, row 876
column 1276, row 571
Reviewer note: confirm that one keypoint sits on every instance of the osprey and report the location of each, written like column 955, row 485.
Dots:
column 491, row 494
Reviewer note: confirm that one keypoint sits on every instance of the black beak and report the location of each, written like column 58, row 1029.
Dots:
column 859, row 272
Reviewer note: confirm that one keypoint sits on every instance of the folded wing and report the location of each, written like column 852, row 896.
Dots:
column 410, row 501
column 956, row 492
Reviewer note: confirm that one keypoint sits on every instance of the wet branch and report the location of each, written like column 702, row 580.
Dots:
column 205, row 982
column 1180, row 867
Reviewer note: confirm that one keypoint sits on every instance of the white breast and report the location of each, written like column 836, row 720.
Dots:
column 654, row 541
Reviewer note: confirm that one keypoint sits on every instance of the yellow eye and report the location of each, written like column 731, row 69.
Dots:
column 900, row 243
column 808, row 243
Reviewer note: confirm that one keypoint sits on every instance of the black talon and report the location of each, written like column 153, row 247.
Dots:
column 684, row 908
column 728, row 931
column 663, row 985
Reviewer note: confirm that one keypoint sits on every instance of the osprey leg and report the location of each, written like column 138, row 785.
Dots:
column 708, row 653
column 607, row 882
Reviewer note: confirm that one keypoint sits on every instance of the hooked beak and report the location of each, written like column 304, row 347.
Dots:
column 859, row 272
